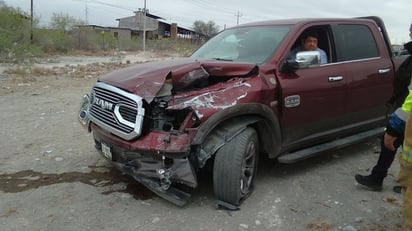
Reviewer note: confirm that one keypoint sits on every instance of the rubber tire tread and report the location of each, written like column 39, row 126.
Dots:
column 228, row 164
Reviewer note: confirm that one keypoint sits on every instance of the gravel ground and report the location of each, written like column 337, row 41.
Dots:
column 52, row 178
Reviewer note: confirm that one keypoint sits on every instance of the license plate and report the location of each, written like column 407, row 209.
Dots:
column 106, row 151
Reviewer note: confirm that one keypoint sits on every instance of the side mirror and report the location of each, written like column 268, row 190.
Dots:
column 303, row 59
column 306, row 58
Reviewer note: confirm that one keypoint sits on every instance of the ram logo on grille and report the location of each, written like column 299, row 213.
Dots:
column 103, row 104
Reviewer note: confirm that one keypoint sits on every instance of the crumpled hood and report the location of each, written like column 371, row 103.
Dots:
column 147, row 79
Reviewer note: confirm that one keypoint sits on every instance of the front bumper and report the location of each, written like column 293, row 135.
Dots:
column 157, row 172
column 159, row 160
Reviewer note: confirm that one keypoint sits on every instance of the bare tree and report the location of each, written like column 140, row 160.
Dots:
column 208, row 29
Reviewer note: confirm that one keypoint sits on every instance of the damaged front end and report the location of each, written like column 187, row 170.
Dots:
column 156, row 171
column 142, row 140
column 144, row 119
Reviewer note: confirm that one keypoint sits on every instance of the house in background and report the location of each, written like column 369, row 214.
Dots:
column 155, row 29
column 136, row 24
column 92, row 36
column 132, row 27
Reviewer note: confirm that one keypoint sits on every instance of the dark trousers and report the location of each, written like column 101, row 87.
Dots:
column 386, row 157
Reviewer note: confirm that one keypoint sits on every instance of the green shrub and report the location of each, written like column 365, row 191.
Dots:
column 52, row 40
column 180, row 46
column 15, row 44
column 125, row 44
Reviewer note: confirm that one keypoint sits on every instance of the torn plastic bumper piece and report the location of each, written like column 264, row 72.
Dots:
column 159, row 180
column 174, row 195
column 225, row 205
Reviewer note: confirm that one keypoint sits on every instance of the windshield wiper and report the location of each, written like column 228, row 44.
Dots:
column 220, row 59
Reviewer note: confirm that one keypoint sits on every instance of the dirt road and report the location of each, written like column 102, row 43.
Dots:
column 51, row 177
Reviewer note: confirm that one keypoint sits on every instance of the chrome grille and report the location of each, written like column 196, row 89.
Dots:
column 128, row 113
column 117, row 111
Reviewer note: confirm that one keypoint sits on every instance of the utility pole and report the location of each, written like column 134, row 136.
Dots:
column 86, row 14
column 144, row 27
column 31, row 21
column 238, row 14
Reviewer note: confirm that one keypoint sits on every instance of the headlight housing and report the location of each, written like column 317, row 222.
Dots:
column 84, row 112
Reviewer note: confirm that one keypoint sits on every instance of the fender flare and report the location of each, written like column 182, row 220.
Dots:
column 226, row 124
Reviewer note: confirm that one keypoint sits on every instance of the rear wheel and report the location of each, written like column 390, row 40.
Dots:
column 235, row 167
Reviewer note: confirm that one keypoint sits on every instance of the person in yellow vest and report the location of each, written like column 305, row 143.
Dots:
column 405, row 173
column 401, row 100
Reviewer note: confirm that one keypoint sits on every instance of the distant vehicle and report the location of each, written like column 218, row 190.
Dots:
column 239, row 97
column 401, row 52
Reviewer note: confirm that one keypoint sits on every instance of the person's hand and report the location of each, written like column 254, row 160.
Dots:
column 389, row 141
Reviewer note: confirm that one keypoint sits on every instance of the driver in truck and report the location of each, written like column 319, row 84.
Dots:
column 309, row 42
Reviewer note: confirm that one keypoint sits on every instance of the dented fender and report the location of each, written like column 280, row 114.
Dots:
column 226, row 124
column 221, row 135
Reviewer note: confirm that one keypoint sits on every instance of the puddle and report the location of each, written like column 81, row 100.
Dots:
column 29, row 179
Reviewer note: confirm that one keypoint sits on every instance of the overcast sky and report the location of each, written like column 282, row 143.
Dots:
column 395, row 13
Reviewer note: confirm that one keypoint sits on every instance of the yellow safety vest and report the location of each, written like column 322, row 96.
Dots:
column 403, row 111
column 407, row 142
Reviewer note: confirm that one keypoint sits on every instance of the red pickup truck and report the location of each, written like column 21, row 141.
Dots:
column 238, row 97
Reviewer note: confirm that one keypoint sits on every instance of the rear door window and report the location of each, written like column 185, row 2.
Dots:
column 354, row 42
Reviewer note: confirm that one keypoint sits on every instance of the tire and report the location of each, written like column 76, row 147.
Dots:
column 234, row 168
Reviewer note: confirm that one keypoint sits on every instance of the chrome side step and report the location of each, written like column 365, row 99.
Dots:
column 292, row 157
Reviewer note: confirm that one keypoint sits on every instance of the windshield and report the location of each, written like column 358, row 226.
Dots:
column 246, row 44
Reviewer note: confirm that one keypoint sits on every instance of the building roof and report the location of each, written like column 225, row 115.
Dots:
column 147, row 15
column 152, row 16
column 105, row 27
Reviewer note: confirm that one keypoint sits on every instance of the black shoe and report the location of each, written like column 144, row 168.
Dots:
column 370, row 182
column 397, row 189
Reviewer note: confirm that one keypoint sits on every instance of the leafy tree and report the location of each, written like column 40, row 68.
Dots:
column 208, row 29
column 64, row 22
column 14, row 26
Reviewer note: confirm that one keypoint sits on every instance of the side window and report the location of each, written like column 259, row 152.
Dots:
column 354, row 42
column 321, row 34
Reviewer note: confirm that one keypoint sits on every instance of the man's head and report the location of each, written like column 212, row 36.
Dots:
column 310, row 40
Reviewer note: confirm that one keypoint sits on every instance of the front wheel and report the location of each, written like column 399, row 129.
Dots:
column 234, row 168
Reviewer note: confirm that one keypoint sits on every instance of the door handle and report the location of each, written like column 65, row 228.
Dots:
column 335, row 78
column 384, row 71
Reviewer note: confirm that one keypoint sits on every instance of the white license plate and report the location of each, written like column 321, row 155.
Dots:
column 106, row 151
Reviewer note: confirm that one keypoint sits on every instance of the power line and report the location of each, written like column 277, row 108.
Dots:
column 106, row 4
column 205, row 4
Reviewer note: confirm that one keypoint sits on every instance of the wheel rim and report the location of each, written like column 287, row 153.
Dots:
column 248, row 168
